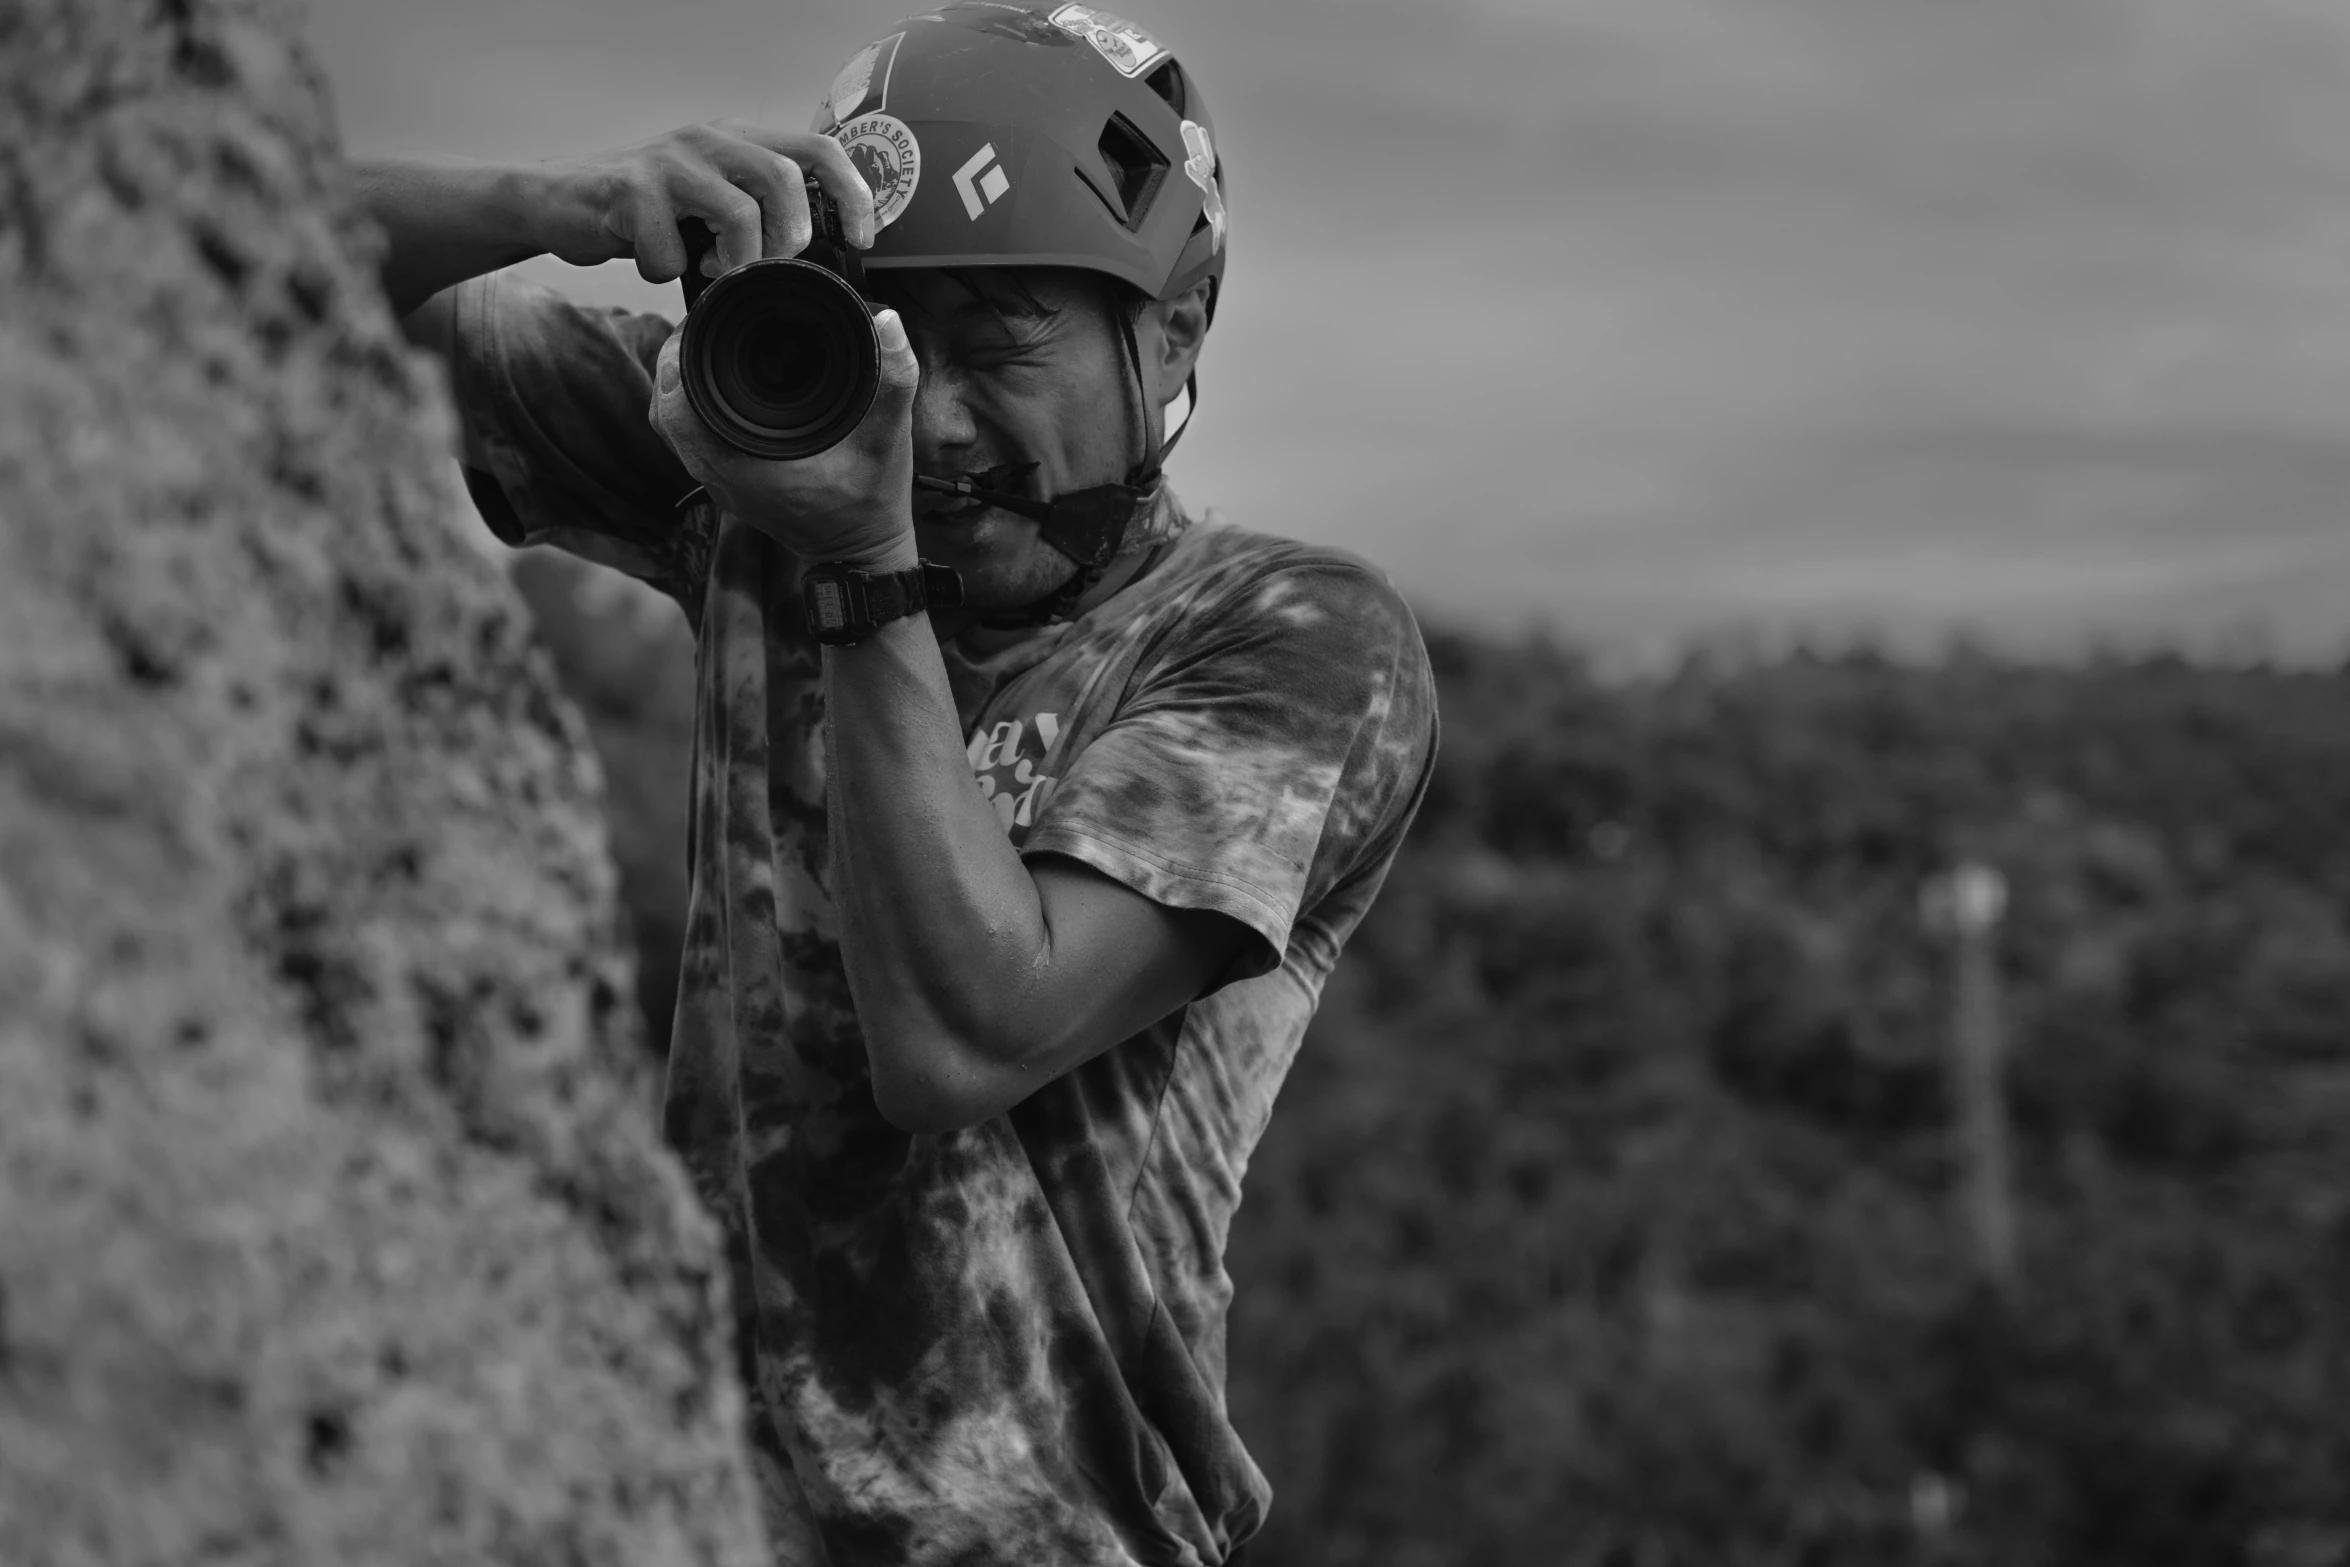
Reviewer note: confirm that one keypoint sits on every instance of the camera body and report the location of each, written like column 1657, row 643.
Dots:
column 779, row 357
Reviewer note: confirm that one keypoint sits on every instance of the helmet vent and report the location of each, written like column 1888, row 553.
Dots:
column 1137, row 168
column 1167, row 82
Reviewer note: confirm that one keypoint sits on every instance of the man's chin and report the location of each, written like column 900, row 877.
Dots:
column 1001, row 561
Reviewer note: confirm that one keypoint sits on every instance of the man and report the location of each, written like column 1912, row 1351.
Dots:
column 968, row 1071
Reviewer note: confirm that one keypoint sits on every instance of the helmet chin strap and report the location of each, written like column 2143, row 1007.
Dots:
column 1091, row 526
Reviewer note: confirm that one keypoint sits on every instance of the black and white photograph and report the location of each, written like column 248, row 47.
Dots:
column 1248, row 783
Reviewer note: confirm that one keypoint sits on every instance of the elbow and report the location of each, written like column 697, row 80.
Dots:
column 939, row 1067
column 934, row 1089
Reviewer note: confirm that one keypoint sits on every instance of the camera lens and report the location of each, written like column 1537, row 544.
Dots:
column 779, row 358
column 775, row 364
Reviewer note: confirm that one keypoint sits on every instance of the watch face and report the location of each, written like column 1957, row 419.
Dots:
column 829, row 604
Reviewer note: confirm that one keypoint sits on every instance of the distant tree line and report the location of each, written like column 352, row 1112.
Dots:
column 1609, row 1215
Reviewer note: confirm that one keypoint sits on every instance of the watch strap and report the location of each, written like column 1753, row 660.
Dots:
column 844, row 605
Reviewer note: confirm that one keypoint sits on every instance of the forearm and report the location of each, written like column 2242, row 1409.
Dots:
column 449, row 219
column 944, row 932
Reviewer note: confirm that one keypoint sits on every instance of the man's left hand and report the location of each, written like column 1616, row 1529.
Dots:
column 853, row 503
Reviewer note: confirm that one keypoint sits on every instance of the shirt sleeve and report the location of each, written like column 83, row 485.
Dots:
column 553, row 396
column 1272, row 753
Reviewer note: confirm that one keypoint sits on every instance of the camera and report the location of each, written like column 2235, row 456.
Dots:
column 779, row 357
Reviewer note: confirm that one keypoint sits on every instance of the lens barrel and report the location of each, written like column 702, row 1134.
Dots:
column 780, row 359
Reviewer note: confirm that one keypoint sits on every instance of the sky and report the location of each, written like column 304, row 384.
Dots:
column 1653, row 320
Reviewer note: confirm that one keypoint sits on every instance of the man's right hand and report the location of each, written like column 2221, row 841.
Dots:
column 745, row 181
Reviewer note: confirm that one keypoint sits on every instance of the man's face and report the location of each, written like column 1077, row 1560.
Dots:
column 1018, row 367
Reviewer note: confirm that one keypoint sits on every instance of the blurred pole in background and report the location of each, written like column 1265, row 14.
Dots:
column 1964, row 908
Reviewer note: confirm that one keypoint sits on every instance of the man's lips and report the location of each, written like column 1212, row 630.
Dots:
column 935, row 506
column 945, row 508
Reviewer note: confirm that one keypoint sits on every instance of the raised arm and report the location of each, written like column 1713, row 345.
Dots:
column 449, row 219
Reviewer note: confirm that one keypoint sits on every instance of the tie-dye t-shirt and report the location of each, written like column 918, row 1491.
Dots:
column 1003, row 1345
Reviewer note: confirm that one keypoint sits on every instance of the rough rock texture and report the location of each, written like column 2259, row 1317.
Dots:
column 333, row 1227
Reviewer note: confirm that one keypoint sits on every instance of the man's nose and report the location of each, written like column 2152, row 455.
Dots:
column 942, row 414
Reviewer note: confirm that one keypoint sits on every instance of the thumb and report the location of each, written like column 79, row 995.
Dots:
column 668, row 400
column 900, row 372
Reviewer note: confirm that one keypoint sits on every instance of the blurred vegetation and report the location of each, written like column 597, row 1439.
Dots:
column 1608, row 1217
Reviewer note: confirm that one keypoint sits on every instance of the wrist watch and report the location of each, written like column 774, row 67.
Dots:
column 844, row 605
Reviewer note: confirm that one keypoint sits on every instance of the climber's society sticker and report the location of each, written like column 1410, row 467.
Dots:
column 862, row 87
column 1118, row 41
column 889, row 157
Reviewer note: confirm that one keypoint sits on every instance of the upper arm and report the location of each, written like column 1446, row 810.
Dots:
column 1115, row 962
column 1121, row 961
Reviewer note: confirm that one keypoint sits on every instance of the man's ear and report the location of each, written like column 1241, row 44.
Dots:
column 1182, row 328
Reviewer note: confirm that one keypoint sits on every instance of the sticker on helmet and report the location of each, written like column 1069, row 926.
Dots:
column 982, row 182
column 1123, row 44
column 889, row 157
column 1201, row 166
column 862, row 87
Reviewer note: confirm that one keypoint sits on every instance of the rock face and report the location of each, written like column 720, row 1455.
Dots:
column 333, row 1227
